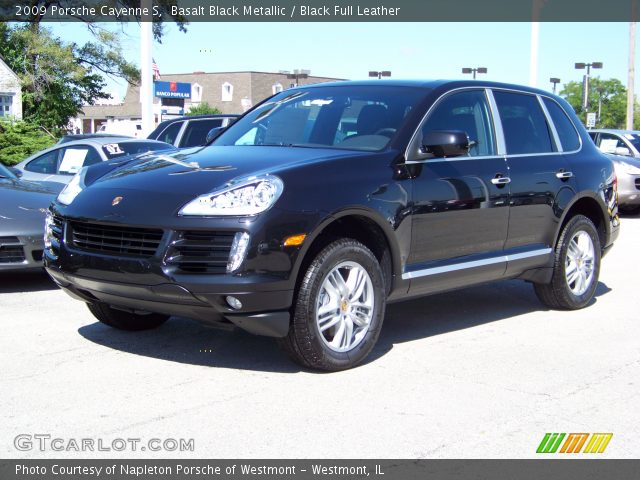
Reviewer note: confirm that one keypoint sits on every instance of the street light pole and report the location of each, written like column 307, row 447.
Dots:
column 555, row 82
column 379, row 74
column 585, row 82
column 474, row 70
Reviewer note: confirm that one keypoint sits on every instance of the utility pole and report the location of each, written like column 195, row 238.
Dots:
column 146, row 76
column 631, row 72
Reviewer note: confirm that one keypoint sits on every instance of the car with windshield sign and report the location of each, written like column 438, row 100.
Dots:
column 325, row 203
column 62, row 161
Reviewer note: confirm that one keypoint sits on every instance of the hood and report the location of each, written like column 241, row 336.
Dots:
column 23, row 206
column 170, row 181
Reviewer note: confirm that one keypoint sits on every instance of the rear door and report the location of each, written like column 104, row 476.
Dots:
column 542, row 182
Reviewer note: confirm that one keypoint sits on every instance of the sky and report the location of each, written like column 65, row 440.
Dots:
column 408, row 50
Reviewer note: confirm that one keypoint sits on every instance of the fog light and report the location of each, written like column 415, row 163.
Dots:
column 234, row 302
column 238, row 251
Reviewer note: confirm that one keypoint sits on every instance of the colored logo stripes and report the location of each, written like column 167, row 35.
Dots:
column 573, row 442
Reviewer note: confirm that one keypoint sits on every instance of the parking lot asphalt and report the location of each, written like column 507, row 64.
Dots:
column 478, row 373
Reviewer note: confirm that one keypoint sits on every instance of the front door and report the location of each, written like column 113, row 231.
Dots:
column 461, row 204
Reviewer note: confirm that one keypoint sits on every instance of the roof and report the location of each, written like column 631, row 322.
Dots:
column 430, row 84
column 615, row 130
column 15, row 75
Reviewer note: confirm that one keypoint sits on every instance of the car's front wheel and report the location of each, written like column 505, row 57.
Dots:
column 339, row 308
column 123, row 320
column 576, row 267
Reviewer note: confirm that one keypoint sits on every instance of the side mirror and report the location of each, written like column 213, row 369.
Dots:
column 624, row 151
column 446, row 143
column 213, row 134
column 16, row 172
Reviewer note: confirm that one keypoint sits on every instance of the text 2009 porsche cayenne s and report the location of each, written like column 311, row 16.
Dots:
column 325, row 202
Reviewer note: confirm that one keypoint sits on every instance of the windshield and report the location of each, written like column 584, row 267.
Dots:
column 634, row 138
column 6, row 173
column 349, row 117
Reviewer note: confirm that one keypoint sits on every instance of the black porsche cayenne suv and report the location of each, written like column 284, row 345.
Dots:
column 323, row 203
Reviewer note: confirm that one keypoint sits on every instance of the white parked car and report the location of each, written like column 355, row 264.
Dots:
column 60, row 162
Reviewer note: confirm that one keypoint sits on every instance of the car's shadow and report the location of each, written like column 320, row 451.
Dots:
column 28, row 281
column 185, row 341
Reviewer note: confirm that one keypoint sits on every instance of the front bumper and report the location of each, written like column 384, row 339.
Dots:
column 163, row 281
column 21, row 252
column 628, row 189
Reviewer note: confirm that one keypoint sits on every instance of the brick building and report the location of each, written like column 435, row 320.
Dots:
column 230, row 92
column 10, row 93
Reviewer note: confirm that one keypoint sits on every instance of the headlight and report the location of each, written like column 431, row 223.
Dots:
column 73, row 188
column 629, row 169
column 48, row 231
column 248, row 197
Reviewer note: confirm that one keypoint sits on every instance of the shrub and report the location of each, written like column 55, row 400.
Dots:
column 20, row 139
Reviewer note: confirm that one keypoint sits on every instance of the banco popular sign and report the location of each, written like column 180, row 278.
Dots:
column 172, row 89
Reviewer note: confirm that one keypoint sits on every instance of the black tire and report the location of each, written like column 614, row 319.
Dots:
column 558, row 294
column 305, row 343
column 126, row 320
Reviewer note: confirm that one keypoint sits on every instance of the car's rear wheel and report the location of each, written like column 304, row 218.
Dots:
column 576, row 267
column 339, row 308
column 123, row 320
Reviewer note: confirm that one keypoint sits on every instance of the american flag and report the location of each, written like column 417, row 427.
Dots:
column 156, row 70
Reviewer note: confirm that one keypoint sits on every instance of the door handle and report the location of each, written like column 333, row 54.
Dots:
column 500, row 180
column 562, row 175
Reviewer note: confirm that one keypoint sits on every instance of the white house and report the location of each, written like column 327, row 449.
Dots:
column 10, row 93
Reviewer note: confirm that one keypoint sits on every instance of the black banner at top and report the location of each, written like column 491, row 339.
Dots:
column 319, row 10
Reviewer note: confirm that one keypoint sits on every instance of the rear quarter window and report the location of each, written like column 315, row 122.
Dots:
column 564, row 126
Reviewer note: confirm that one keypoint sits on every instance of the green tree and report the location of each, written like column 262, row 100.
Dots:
column 610, row 95
column 203, row 109
column 18, row 140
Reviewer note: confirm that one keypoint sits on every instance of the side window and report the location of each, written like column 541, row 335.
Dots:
column 564, row 126
column 47, row 163
column 170, row 133
column 467, row 111
column 609, row 143
column 72, row 159
column 523, row 122
column 196, row 132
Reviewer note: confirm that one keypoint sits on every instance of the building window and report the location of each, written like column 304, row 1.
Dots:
column 5, row 105
column 292, row 85
column 196, row 93
column 227, row 92
column 276, row 88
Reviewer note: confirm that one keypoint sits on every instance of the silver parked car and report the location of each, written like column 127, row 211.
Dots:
column 23, row 206
column 60, row 162
column 623, row 147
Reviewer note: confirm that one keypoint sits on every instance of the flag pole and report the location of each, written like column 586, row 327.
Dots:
column 146, row 74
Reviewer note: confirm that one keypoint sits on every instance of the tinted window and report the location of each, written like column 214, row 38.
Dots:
column 170, row 133
column 467, row 111
column 196, row 132
column 348, row 117
column 525, row 127
column 46, row 163
column 72, row 159
column 113, row 150
column 566, row 131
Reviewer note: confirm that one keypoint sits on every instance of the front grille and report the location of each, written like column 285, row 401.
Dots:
column 114, row 239
column 201, row 252
column 638, row 183
column 11, row 250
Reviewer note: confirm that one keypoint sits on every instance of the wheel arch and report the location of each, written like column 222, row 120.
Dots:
column 363, row 225
column 586, row 204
